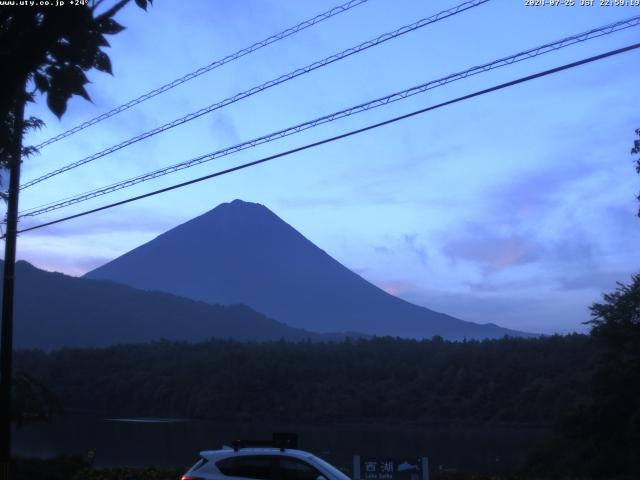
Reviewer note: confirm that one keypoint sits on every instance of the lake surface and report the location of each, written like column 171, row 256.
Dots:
column 176, row 442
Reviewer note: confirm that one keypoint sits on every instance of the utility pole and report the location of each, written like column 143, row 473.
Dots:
column 6, row 337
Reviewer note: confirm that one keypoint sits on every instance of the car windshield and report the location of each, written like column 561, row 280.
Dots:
column 333, row 470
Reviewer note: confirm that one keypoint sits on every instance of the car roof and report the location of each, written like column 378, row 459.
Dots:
column 226, row 452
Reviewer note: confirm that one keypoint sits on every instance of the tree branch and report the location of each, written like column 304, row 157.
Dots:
column 113, row 10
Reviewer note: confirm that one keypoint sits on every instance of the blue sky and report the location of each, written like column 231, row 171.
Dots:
column 515, row 208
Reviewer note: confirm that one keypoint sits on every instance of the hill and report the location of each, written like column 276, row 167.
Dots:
column 55, row 310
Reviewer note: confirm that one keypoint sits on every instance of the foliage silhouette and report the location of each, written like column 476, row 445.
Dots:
column 52, row 48
column 45, row 49
column 514, row 381
column 32, row 401
column 601, row 437
column 636, row 151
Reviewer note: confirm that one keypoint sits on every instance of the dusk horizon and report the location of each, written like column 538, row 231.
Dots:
column 518, row 205
column 301, row 240
column 388, row 287
column 398, row 290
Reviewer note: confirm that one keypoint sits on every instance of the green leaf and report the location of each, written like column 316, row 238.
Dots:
column 32, row 123
column 41, row 81
column 80, row 90
column 102, row 42
column 57, row 102
column 102, row 62
column 72, row 80
column 29, row 151
column 110, row 27
column 69, row 79
column 62, row 52
column 142, row 4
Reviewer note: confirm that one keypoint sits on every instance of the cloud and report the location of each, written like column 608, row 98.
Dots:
column 601, row 281
column 312, row 202
column 133, row 219
column 564, row 216
column 80, row 245
column 536, row 193
column 493, row 251
column 406, row 244
column 398, row 288
column 529, row 311
column 418, row 250
column 487, row 286
column 593, row 280
column 225, row 129
column 575, row 248
column 384, row 181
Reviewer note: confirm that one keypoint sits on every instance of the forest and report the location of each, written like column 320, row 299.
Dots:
column 585, row 387
column 512, row 380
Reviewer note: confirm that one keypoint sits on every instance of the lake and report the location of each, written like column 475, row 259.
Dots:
column 176, row 442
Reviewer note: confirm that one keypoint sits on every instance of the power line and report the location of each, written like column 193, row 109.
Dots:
column 271, row 83
column 344, row 135
column 527, row 54
column 531, row 53
column 207, row 68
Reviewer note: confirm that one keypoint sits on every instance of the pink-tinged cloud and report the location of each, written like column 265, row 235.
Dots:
column 494, row 253
column 509, row 253
column 396, row 288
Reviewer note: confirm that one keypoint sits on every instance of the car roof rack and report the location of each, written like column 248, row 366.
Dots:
column 280, row 440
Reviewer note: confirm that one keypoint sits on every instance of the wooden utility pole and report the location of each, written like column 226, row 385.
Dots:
column 6, row 337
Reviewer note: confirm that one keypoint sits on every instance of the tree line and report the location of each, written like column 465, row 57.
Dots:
column 510, row 380
column 586, row 386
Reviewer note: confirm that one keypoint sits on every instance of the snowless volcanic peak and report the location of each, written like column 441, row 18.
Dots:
column 242, row 252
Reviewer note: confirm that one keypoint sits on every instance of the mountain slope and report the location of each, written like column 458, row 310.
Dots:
column 54, row 310
column 242, row 252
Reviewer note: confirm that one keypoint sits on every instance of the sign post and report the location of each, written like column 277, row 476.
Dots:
column 425, row 468
column 356, row 467
column 410, row 468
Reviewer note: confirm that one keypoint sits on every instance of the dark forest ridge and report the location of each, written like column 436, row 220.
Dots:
column 242, row 252
column 510, row 380
column 55, row 310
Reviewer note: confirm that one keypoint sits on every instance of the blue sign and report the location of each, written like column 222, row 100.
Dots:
column 391, row 469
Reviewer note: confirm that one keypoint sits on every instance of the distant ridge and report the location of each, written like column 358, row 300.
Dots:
column 241, row 252
column 55, row 310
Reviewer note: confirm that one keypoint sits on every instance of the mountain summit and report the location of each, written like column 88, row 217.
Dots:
column 242, row 252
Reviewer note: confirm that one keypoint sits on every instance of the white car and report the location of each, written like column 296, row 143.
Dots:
column 263, row 463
